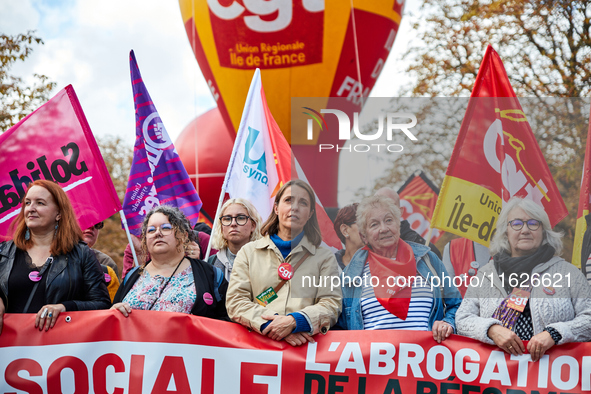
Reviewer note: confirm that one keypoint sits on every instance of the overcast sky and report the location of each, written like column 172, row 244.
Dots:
column 87, row 44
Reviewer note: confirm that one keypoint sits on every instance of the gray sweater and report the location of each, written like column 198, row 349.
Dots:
column 568, row 310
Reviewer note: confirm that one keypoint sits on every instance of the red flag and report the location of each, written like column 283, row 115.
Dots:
column 496, row 157
column 55, row 143
column 418, row 197
column 204, row 219
column 395, row 296
column 584, row 203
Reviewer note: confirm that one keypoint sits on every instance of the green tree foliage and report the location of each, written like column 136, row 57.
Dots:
column 546, row 49
column 545, row 45
column 17, row 97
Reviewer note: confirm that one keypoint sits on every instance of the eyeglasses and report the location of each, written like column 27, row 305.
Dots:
column 241, row 220
column 165, row 229
column 99, row 226
column 532, row 224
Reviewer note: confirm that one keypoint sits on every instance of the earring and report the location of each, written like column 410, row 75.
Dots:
column 27, row 235
column 57, row 224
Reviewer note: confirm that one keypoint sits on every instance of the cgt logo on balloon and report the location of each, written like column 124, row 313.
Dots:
column 267, row 33
column 345, row 130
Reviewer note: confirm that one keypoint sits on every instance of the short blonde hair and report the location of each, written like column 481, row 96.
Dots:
column 369, row 204
column 217, row 238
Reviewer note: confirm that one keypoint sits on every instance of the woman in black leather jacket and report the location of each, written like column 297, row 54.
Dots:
column 46, row 269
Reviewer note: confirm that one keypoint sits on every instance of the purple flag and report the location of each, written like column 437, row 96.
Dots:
column 157, row 176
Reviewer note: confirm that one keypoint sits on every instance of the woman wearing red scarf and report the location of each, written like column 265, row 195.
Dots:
column 389, row 284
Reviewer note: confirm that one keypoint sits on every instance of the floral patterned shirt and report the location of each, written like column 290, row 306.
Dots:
column 178, row 296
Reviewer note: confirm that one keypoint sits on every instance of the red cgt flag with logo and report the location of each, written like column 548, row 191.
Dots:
column 496, row 157
column 418, row 197
column 584, row 205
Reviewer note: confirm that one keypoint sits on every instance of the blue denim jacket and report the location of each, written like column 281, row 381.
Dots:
column 444, row 308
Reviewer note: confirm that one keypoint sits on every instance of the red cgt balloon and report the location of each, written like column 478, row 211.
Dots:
column 304, row 48
column 205, row 147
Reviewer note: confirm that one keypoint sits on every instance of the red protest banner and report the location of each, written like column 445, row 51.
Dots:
column 55, row 143
column 496, row 157
column 418, row 197
column 107, row 352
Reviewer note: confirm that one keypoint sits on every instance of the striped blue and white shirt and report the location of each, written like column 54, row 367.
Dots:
column 376, row 317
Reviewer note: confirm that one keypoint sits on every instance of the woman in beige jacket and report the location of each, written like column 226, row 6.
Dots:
column 281, row 284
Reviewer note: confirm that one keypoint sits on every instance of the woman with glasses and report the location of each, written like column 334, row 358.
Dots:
column 195, row 249
column 527, row 292
column 240, row 224
column 276, row 287
column 46, row 268
column 171, row 281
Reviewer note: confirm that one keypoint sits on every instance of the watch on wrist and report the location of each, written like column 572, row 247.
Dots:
column 554, row 334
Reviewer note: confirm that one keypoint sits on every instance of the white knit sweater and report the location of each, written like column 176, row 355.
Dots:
column 568, row 310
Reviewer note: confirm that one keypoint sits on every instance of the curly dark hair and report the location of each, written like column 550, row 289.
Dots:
column 178, row 220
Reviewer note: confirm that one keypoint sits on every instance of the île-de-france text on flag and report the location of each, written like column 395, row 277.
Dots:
column 496, row 157
column 55, row 143
column 418, row 197
column 157, row 175
column 584, row 205
column 263, row 161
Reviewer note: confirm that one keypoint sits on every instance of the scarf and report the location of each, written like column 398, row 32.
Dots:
column 395, row 299
column 516, row 265
column 505, row 264
column 285, row 247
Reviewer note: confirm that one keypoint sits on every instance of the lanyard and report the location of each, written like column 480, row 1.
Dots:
column 166, row 284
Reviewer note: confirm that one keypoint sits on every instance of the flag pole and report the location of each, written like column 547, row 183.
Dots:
column 241, row 127
column 428, row 237
column 124, row 221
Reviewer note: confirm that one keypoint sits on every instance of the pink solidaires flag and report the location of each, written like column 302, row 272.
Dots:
column 157, row 176
column 55, row 143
